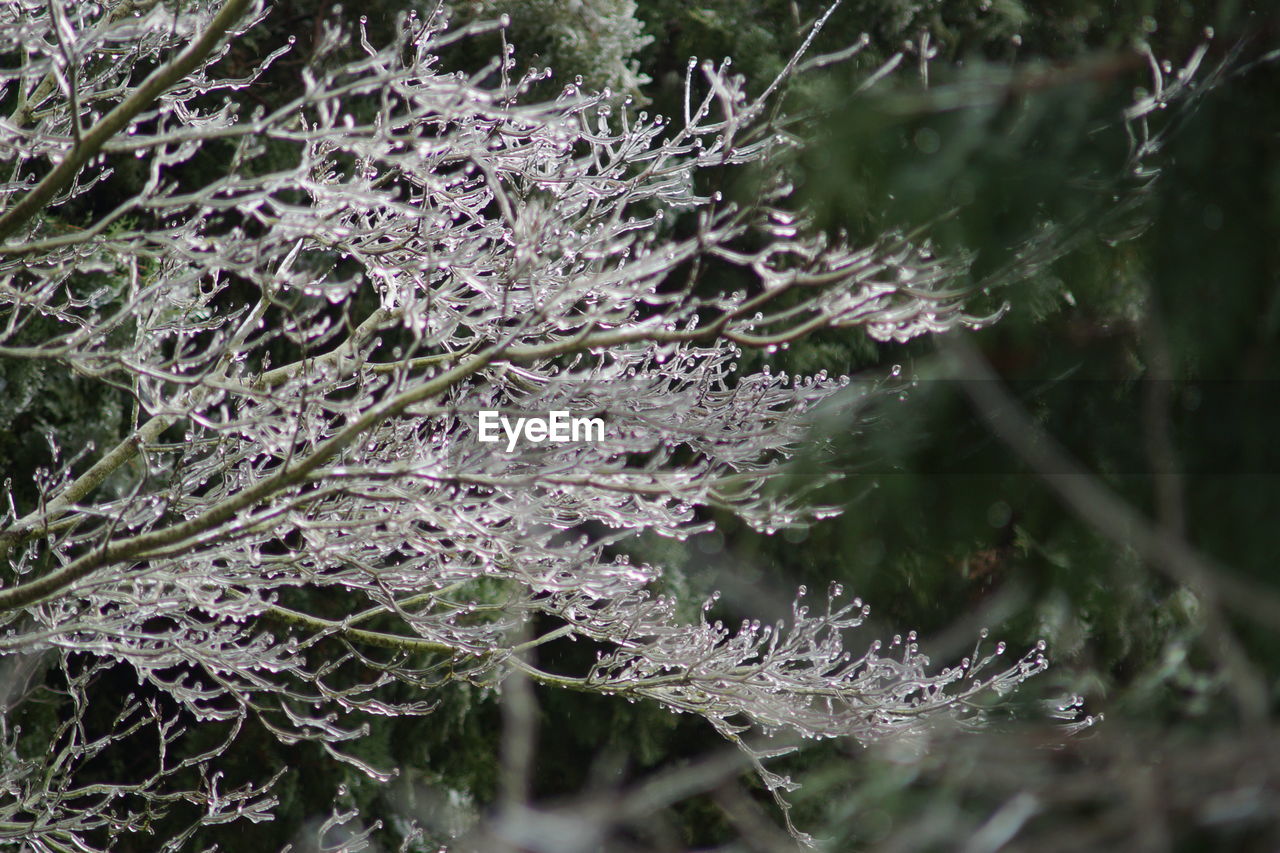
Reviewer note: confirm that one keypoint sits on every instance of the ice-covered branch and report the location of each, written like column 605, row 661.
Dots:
column 349, row 351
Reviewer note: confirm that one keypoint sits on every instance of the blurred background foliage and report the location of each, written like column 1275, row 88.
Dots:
column 1153, row 310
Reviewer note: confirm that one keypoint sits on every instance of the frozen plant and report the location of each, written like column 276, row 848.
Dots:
column 598, row 39
column 303, row 339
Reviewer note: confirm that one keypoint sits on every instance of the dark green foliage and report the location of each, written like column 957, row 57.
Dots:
column 943, row 530
column 47, row 418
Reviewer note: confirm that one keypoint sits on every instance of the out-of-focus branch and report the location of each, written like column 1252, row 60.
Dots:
column 1084, row 494
column 1170, row 507
column 585, row 822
